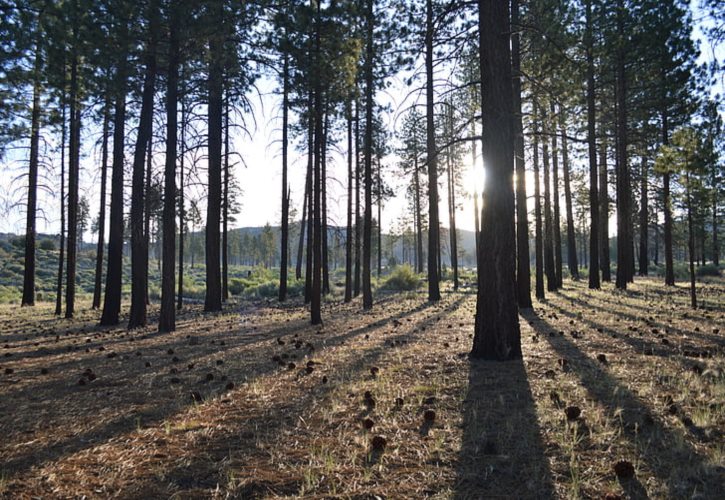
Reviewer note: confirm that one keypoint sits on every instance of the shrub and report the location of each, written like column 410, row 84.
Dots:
column 236, row 286
column 402, row 278
column 708, row 270
column 47, row 245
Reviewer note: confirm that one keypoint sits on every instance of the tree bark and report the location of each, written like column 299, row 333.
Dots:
column 182, row 214
column 434, row 293
column 167, row 316
column 102, row 211
column 539, row 233
column 604, row 260
column 114, row 274
column 28, row 298
column 284, row 243
column 669, row 265
column 348, row 233
column 570, row 232
column 358, row 233
column 225, row 205
column 558, row 266
column 523, row 266
column 624, row 242
column 61, row 250
column 73, row 175
column 497, row 335
column 139, row 243
column 213, row 299
column 549, row 264
column 368, row 151
column 591, row 140
column 644, row 221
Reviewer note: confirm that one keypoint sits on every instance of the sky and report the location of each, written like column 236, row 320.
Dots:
column 260, row 174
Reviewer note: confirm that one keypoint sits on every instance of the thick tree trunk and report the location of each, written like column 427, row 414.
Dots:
column 434, row 293
column 213, row 299
column 284, row 243
column 523, row 266
column 591, row 140
column 167, row 316
column 497, row 334
column 114, row 274
column 539, row 233
column 644, row 221
column 29, row 263
column 368, row 150
column 715, row 248
column 571, row 255
column 102, row 211
column 139, row 243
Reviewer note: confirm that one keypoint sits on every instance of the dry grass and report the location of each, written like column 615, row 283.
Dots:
column 499, row 430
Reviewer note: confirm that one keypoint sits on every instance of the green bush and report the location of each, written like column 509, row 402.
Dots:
column 47, row 245
column 237, row 286
column 708, row 270
column 402, row 278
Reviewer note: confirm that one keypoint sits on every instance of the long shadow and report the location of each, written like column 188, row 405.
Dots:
column 95, row 400
column 207, row 468
column 502, row 453
column 675, row 463
column 618, row 311
column 652, row 347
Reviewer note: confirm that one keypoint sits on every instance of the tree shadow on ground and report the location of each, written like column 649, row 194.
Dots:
column 660, row 450
column 63, row 407
column 502, row 454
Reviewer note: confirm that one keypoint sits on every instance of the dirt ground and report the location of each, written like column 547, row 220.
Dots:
column 619, row 394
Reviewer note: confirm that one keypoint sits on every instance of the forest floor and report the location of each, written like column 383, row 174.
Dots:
column 256, row 403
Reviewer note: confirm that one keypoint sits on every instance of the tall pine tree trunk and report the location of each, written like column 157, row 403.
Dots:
column 594, row 282
column 316, row 299
column 323, row 208
column 139, row 242
column 624, row 240
column 358, row 232
column 549, row 264
column 167, row 316
column 73, row 177
column 644, row 220
column 284, row 243
column 29, row 264
column 539, row 233
column 571, row 255
column 604, row 260
column 432, row 160
column 497, row 335
column 61, row 250
column 182, row 214
column 669, row 265
column 523, row 267
column 102, row 211
column 555, row 192
column 225, row 205
column 368, row 151
column 114, row 274
column 348, row 232
column 213, row 299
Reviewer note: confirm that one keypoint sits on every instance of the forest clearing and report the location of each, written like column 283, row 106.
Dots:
column 362, row 249
column 254, row 402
